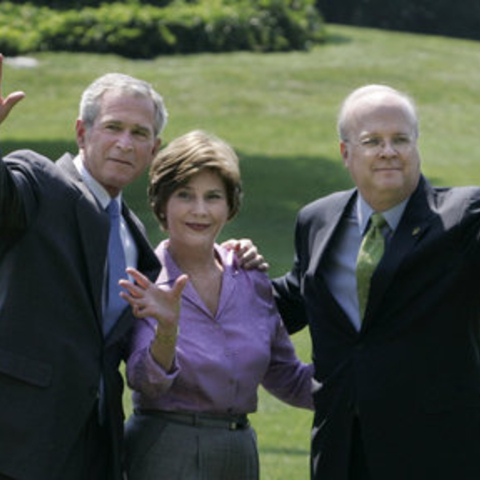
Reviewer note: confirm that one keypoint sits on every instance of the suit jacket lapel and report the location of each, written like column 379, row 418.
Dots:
column 335, row 213
column 415, row 222
column 148, row 264
column 93, row 230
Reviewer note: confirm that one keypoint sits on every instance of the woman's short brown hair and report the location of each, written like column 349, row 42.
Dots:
column 186, row 156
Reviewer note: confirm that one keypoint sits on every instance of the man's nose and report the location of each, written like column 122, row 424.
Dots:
column 125, row 141
column 387, row 148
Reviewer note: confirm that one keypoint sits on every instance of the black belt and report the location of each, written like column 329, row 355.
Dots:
column 230, row 422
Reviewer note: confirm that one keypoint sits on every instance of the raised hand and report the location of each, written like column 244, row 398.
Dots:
column 8, row 102
column 150, row 300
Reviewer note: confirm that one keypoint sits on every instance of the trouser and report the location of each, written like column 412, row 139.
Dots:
column 162, row 447
column 358, row 464
column 90, row 456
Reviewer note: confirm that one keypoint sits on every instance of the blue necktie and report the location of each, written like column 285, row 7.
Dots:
column 114, row 304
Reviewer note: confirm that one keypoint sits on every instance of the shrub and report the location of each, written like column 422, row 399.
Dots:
column 143, row 30
column 79, row 4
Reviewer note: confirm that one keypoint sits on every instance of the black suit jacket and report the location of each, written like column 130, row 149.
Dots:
column 412, row 374
column 53, row 247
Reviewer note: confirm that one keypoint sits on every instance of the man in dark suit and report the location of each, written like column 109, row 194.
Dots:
column 61, row 391
column 398, row 393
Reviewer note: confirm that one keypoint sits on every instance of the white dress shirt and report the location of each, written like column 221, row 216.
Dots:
column 102, row 196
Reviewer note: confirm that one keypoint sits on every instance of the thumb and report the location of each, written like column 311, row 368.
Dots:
column 179, row 285
column 8, row 103
column 13, row 99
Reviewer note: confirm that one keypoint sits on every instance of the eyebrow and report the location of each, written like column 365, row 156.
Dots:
column 188, row 187
column 136, row 126
column 377, row 134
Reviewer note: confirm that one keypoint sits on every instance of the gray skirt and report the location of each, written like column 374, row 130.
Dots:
column 160, row 449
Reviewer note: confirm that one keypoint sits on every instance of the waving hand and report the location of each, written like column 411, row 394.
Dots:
column 8, row 102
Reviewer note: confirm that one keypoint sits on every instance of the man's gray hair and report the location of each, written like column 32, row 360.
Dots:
column 90, row 102
column 370, row 90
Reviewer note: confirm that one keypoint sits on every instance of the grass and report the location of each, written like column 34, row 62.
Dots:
column 279, row 112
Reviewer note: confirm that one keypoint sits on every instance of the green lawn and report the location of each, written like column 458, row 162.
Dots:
column 279, row 112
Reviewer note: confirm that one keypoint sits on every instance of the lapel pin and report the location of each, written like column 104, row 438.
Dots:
column 416, row 231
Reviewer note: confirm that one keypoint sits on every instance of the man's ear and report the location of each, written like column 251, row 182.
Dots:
column 344, row 152
column 80, row 132
column 156, row 147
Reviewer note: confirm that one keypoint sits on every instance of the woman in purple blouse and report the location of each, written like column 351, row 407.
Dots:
column 195, row 373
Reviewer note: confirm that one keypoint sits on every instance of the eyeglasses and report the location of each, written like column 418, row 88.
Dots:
column 376, row 144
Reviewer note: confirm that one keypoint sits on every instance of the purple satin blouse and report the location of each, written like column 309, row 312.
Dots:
column 220, row 359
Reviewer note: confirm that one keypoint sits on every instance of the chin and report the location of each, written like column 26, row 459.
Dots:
column 391, row 181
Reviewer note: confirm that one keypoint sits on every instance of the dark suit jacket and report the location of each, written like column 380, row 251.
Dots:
column 412, row 374
column 53, row 244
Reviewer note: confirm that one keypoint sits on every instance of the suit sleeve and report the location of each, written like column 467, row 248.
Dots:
column 17, row 198
column 287, row 289
column 18, row 183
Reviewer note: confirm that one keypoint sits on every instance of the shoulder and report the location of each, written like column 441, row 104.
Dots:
column 38, row 177
column 254, row 279
column 31, row 163
column 447, row 207
column 28, row 159
column 322, row 213
column 459, row 199
column 456, row 194
column 326, row 205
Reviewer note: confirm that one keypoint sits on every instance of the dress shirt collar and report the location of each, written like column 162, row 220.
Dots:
column 170, row 270
column 98, row 191
column 392, row 216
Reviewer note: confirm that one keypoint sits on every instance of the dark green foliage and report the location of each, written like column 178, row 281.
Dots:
column 79, row 4
column 441, row 17
column 146, row 30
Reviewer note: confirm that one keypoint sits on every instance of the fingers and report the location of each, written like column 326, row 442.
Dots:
column 128, row 298
column 7, row 103
column 134, row 290
column 239, row 245
column 140, row 305
column 139, row 278
column 134, row 294
column 230, row 244
column 248, row 256
column 255, row 263
column 150, row 300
